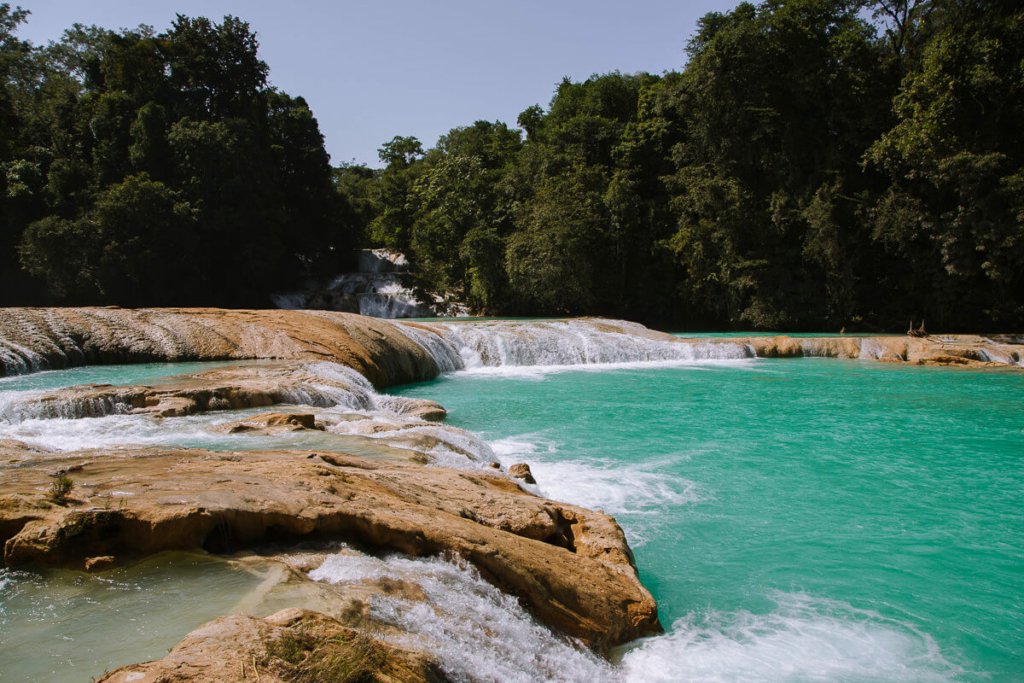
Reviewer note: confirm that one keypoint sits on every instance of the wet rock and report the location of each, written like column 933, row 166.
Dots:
column 273, row 423
column 959, row 350
column 99, row 563
column 431, row 411
column 521, row 470
column 233, row 388
column 52, row 338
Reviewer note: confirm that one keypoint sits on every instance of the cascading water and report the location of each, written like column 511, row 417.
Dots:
column 559, row 344
column 476, row 632
column 345, row 403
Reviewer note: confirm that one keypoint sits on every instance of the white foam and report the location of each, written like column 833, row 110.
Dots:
column 648, row 489
column 803, row 639
column 615, row 487
column 522, row 445
column 110, row 431
column 476, row 632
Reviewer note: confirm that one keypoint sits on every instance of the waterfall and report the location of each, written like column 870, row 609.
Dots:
column 379, row 289
column 547, row 344
column 19, row 358
column 433, row 340
column 475, row 631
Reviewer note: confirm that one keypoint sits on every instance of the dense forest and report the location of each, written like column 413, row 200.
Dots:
column 816, row 164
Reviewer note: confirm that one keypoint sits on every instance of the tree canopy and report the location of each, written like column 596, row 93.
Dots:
column 145, row 168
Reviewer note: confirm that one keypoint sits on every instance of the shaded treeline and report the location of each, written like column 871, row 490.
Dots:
column 816, row 164
column 155, row 169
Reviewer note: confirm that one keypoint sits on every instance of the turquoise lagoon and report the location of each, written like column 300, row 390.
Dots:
column 797, row 520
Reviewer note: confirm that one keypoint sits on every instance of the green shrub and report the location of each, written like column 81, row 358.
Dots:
column 60, row 488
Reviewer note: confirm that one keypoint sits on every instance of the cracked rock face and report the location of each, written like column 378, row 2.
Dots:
column 571, row 567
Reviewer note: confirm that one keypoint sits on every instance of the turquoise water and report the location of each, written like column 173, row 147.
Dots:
column 797, row 520
column 119, row 375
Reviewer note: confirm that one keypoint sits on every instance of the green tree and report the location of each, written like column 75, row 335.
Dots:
column 133, row 248
column 393, row 193
column 463, row 213
column 778, row 103
column 215, row 69
column 954, row 212
column 548, row 258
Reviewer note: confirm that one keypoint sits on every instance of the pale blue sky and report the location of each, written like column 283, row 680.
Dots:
column 374, row 69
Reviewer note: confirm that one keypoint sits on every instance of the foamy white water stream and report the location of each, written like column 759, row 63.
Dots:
column 476, row 632
column 560, row 344
column 803, row 639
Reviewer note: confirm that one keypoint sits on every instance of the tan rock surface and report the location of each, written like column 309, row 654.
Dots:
column 571, row 567
column 272, row 423
column 40, row 338
column 521, row 470
column 964, row 350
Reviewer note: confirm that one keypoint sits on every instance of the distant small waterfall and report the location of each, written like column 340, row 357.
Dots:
column 379, row 289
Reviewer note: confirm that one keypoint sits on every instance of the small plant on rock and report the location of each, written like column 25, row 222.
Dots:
column 304, row 656
column 60, row 488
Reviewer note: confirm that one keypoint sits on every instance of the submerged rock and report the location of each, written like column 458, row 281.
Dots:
column 272, row 423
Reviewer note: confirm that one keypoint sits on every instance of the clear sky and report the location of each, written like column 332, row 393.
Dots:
column 372, row 69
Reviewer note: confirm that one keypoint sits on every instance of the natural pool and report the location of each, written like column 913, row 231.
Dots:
column 64, row 626
column 797, row 520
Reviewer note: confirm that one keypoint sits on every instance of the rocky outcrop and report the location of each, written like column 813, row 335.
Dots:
column 291, row 645
column 47, row 338
column 963, row 350
column 521, row 470
column 571, row 567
